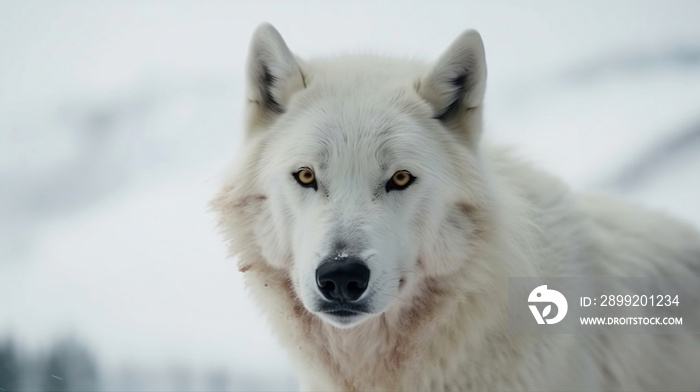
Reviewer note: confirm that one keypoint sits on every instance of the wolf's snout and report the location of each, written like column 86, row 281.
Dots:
column 342, row 281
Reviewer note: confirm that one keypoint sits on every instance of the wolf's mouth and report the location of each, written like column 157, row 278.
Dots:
column 343, row 313
column 344, row 310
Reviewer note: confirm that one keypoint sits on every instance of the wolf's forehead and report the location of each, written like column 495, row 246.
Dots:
column 368, row 140
column 362, row 123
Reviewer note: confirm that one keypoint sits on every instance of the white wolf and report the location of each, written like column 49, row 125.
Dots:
column 377, row 233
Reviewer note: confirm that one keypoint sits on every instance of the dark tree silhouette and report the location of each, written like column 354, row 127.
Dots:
column 9, row 367
column 69, row 367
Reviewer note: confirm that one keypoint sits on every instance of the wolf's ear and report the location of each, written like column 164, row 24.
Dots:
column 273, row 73
column 455, row 85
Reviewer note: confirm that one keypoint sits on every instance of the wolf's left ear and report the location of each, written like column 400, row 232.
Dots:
column 273, row 73
column 455, row 86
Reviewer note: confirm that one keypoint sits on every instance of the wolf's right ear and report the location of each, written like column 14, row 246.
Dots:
column 273, row 73
column 454, row 86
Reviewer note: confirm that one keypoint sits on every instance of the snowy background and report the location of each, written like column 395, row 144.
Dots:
column 117, row 121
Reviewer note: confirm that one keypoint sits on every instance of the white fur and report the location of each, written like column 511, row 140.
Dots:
column 440, row 251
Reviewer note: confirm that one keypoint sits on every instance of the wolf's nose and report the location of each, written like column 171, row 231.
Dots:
column 342, row 281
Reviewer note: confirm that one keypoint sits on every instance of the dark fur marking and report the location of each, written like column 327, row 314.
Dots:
column 339, row 246
column 467, row 209
column 267, row 81
column 460, row 85
column 303, row 78
column 475, row 216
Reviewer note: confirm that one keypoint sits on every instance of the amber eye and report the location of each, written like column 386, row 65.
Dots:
column 400, row 181
column 306, row 178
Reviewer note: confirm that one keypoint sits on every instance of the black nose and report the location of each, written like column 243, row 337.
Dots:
column 342, row 281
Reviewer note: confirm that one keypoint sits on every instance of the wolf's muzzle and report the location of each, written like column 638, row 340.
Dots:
column 342, row 279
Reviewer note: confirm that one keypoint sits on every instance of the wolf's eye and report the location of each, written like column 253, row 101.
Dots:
column 400, row 181
column 306, row 178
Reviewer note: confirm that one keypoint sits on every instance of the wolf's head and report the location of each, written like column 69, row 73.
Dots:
column 360, row 177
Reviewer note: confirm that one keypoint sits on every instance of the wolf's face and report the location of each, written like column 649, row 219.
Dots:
column 361, row 169
column 352, row 191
